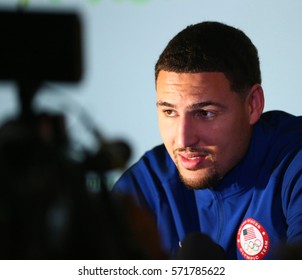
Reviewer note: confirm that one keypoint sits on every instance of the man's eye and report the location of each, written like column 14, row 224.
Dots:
column 169, row 113
column 204, row 114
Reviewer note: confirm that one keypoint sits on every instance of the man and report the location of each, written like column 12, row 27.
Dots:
column 226, row 169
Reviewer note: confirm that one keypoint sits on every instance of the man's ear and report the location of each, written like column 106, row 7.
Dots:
column 255, row 101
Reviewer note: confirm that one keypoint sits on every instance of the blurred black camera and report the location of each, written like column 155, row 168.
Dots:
column 53, row 206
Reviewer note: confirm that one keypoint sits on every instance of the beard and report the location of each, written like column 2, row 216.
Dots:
column 209, row 179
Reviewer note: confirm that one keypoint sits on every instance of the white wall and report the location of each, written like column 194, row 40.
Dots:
column 123, row 39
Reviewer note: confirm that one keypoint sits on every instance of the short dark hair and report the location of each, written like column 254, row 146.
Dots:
column 213, row 47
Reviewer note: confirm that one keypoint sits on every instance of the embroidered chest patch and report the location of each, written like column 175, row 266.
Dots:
column 252, row 240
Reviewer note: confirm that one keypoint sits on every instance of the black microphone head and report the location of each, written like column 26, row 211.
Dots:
column 120, row 150
column 111, row 155
column 198, row 246
column 115, row 154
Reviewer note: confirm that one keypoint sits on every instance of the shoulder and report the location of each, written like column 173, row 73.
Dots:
column 156, row 159
column 145, row 180
column 285, row 130
column 277, row 142
column 286, row 147
column 281, row 120
column 155, row 163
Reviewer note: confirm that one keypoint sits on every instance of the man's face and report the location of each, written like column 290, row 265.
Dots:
column 205, row 126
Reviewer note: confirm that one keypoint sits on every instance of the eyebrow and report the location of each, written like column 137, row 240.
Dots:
column 193, row 106
column 164, row 104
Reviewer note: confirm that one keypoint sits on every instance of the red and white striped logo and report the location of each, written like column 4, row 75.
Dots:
column 252, row 240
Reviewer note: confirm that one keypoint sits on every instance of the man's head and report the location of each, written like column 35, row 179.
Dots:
column 213, row 47
column 208, row 98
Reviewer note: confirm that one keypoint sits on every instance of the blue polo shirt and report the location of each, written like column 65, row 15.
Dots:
column 255, row 208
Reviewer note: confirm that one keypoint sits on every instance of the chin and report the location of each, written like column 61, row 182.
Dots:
column 200, row 181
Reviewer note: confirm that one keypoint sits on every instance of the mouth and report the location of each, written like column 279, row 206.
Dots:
column 192, row 160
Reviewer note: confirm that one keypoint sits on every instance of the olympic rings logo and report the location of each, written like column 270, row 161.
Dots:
column 253, row 246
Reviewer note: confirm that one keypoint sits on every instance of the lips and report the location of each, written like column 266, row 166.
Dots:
column 191, row 160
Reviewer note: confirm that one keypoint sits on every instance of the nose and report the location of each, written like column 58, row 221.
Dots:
column 186, row 134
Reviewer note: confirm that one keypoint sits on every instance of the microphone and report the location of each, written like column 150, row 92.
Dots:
column 198, row 246
column 111, row 155
column 114, row 154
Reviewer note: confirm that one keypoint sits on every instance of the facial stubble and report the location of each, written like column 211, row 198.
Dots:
column 209, row 180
